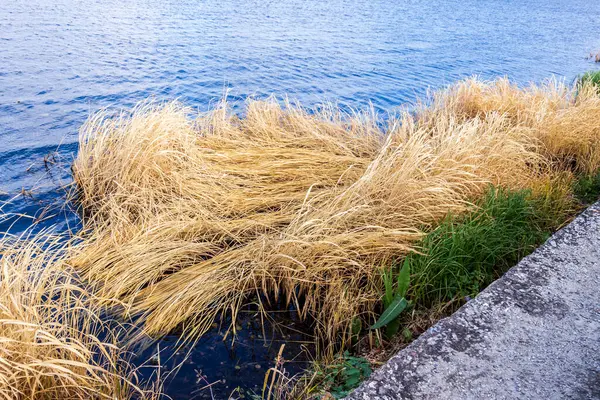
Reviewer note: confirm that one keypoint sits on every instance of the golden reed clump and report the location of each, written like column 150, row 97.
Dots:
column 563, row 119
column 52, row 342
column 185, row 217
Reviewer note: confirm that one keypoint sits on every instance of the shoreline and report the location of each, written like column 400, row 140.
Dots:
column 364, row 229
column 530, row 334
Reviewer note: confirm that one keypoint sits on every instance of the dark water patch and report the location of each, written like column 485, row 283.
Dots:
column 219, row 364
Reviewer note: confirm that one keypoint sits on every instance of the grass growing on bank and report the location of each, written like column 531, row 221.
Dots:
column 455, row 261
column 587, row 188
column 185, row 217
column 466, row 253
column 188, row 218
column 53, row 344
column 590, row 78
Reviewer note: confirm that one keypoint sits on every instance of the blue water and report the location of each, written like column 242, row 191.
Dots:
column 62, row 59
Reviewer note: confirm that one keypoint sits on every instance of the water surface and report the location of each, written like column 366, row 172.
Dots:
column 62, row 59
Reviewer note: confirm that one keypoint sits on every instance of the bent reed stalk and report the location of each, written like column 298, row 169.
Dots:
column 185, row 218
column 53, row 344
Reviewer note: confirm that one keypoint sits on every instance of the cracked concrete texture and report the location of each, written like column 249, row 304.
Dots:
column 532, row 334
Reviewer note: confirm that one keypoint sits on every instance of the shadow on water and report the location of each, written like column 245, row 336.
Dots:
column 34, row 195
column 218, row 365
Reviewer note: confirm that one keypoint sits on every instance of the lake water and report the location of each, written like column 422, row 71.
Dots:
column 62, row 59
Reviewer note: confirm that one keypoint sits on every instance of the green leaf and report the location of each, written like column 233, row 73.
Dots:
column 396, row 307
column 353, row 382
column 389, row 288
column 404, row 278
column 339, row 393
column 392, row 328
column 356, row 326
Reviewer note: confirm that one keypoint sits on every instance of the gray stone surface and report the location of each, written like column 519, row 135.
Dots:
column 533, row 334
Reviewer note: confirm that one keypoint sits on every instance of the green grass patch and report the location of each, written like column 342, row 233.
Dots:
column 587, row 188
column 343, row 375
column 466, row 253
column 590, row 77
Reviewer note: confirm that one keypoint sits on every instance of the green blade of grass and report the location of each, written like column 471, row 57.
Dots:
column 395, row 308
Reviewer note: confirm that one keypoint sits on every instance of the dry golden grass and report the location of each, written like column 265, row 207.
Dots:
column 563, row 119
column 217, row 190
column 187, row 217
column 594, row 56
column 52, row 342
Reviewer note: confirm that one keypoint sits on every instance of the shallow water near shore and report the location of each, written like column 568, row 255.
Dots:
column 61, row 60
column 219, row 366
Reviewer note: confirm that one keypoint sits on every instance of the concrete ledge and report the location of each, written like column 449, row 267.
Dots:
column 533, row 334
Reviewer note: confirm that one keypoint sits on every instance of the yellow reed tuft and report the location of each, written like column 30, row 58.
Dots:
column 563, row 119
column 53, row 344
